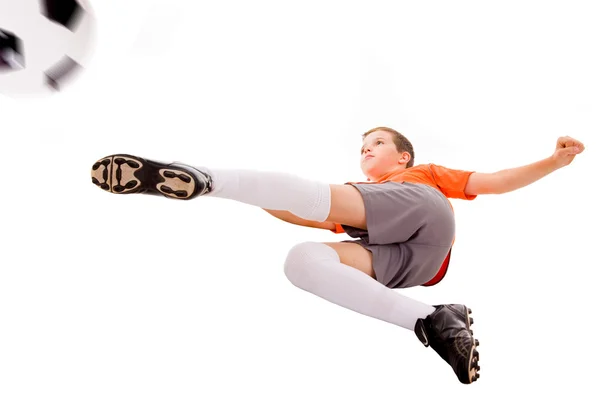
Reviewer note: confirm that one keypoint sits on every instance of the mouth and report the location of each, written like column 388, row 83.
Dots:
column 367, row 157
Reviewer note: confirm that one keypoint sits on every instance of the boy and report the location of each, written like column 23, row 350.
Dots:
column 400, row 218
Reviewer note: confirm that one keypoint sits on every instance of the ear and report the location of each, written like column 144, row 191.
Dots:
column 404, row 158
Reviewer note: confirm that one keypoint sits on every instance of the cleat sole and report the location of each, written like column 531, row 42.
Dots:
column 122, row 174
column 176, row 184
column 474, row 354
column 117, row 174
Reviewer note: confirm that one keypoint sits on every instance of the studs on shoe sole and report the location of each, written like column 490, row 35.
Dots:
column 177, row 184
column 116, row 174
column 178, row 193
column 183, row 177
column 474, row 367
column 474, row 364
column 101, row 173
column 123, row 178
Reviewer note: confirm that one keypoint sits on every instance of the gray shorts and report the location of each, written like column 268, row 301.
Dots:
column 410, row 230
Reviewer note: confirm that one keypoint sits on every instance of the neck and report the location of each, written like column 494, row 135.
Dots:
column 386, row 175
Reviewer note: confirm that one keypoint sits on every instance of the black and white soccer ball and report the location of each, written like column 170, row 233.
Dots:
column 44, row 44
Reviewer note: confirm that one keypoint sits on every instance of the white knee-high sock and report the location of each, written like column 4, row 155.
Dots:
column 316, row 268
column 307, row 199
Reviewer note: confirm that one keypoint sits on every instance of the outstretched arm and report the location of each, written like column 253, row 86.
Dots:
column 293, row 219
column 511, row 179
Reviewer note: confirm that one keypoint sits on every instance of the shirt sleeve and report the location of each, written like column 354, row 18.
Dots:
column 338, row 229
column 452, row 182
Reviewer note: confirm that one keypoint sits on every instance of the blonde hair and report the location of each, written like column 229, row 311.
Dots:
column 401, row 142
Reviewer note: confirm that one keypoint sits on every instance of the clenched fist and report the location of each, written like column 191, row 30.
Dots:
column 566, row 150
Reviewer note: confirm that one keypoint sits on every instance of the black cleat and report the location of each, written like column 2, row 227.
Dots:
column 448, row 331
column 123, row 174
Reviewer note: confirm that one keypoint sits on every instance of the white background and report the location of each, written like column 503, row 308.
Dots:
column 134, row 297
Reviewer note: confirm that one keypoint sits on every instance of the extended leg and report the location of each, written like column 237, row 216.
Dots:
column 308, row 199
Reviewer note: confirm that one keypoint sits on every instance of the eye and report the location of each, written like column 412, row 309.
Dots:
column 379, row 142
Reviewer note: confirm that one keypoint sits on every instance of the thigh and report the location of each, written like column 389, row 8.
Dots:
column 347, row 206
column 355, row 256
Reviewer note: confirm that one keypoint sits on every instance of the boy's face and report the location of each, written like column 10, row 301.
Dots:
column 379, row 155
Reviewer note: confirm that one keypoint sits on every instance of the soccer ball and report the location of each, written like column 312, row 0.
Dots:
column 44, row 44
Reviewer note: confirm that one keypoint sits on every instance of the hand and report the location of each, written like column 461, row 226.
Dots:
column 566, row 150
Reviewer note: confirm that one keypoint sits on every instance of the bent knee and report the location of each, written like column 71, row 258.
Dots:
column 303, row 258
